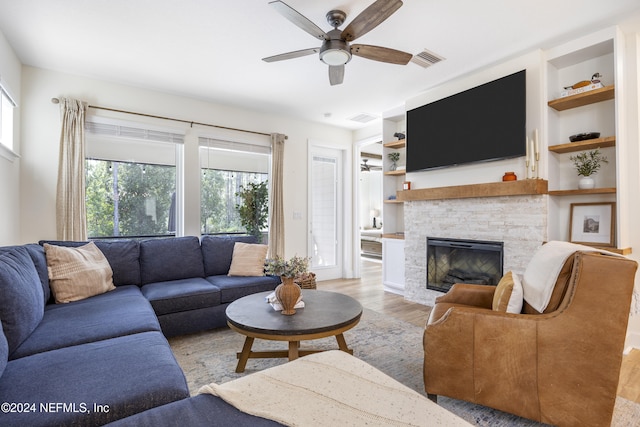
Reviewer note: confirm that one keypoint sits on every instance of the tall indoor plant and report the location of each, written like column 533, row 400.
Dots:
column 254, row 208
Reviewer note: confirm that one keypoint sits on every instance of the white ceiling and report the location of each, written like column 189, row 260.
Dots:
column 212, row 49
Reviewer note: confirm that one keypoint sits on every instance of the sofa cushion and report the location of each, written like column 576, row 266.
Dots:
column 77, row 273
column 40, row 262
column 181, row 295
column 21, row 296
column 232, row 288
column 170, row 259
column 127, row 375
column 248, row 259
column 507, row 297
column 217, row 252
column 203, row 410
column 123, row 256
column 4, row 351
column 123, row 311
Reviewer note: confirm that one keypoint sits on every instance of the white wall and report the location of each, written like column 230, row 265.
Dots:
column 631, row 183
column 10, row 69
column 41, row 127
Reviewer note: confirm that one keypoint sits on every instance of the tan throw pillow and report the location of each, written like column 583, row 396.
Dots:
column 507, row 297
column 77, row 273
column 248, row 259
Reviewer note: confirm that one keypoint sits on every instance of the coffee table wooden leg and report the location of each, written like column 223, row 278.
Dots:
column 342, row 344
column 294, row 347
column 244, row 355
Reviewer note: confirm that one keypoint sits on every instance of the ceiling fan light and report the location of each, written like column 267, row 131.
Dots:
column 335, row 57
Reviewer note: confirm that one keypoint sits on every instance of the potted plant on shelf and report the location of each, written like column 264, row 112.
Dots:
column 394, row 157
column 288, row 292
column 587, row 164
column 254, row 209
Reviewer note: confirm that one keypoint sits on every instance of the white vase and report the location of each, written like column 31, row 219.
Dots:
column 586, row 183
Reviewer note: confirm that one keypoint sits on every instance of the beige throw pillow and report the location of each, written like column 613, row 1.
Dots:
column 508, row 295
column 248, row 259
column 77, row 273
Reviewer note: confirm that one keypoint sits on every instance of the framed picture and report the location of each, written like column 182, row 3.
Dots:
column 593, row 223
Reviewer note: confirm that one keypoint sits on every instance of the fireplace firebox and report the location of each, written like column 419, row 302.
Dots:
column 452, row 261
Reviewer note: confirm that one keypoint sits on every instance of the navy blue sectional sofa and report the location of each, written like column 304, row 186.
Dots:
column 106, row 357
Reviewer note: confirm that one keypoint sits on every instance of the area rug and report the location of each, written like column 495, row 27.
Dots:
column 389, row 344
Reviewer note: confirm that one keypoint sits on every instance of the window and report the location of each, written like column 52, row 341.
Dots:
column 129, row 199
column 219, row 200
column 131, row 176
column 6, row 119
column 226, row 168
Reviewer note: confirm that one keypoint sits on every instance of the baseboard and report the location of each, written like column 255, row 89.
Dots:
column 632, row 341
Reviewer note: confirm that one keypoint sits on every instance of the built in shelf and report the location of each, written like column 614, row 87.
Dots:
column 585, row 98
column 396, row 144
column 393, row 201
column 396, row 172
column 620, row 251
column 492, row 189
column 577, row 192
column 399, row 236
column 590, row 144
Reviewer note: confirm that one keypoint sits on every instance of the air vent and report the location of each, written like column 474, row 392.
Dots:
column 426, row 59
column 363, row 118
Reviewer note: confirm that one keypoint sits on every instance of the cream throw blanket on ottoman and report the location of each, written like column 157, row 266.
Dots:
column 331, row 389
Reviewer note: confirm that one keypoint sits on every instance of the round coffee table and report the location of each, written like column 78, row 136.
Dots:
column 325, row 314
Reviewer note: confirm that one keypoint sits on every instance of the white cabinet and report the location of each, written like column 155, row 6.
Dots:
column 393, row 265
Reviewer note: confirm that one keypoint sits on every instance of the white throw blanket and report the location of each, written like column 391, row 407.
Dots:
column 331, row 389
column 543, row 270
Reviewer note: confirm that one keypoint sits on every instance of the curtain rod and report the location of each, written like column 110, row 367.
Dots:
column 57, row 101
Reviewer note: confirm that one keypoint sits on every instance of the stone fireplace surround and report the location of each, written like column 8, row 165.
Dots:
column 520, row 221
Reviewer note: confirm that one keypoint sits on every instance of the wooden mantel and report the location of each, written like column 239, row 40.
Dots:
column 492, row 189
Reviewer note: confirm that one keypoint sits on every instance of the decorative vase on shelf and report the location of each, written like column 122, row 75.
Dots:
column 393, row 166
column 288, row 293
column 586, row 183
column 588, row 163
column 509, row 176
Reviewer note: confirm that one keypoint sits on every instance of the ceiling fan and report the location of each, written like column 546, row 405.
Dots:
column 336, row 49
column 366, row 167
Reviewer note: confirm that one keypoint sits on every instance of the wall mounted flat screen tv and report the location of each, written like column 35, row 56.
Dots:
column 485, row 123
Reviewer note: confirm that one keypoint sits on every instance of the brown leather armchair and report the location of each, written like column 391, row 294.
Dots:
column 559, row 367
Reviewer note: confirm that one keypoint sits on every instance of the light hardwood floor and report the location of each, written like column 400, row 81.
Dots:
column 368, row 290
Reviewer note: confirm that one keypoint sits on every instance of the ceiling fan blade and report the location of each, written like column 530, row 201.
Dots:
column 299, row 20
column 336, row 74
column 370, row 18
column 382, row 54
column 291, row 55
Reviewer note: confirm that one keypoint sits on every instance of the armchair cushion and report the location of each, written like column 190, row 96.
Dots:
column 471, row 295
column 544, row 269
column 508, row 295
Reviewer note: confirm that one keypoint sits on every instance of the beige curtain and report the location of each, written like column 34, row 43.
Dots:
column 276, row 206
column 71, row 215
